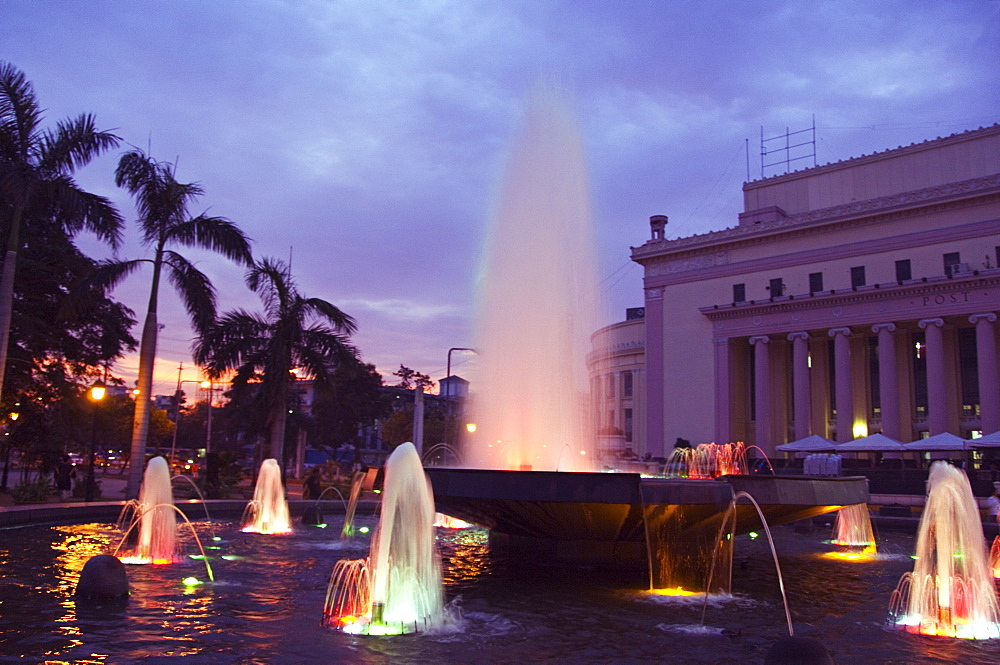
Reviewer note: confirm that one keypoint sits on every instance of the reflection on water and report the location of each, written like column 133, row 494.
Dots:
column 266, row 604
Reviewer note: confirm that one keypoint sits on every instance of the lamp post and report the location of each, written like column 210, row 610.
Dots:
column 451, row 391
column 207, row 385
column 96, row 392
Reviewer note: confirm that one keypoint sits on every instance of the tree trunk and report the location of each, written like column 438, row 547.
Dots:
column 143, row 406
column 7, row 290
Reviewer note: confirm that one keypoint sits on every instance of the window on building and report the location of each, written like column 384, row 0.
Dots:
column 996, row 264
column 950, row 260
column 777, row 288
column 815, row 282
column 858, row 276
column 628, row 425
column 968, row 366
column 903, row 271
column 739, row 292
column 626, row 384
column 610, row 392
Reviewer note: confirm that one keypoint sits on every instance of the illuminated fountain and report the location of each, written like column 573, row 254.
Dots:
column 155, row 517
column 951, row 590
column 995, row 557
column 537, row 305
column 532, row 475
column 267, row 512
column 398, row 588
column 853, row 528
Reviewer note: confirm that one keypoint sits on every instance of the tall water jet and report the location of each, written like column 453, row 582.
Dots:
column 398, row 589
column 951, row 590
column 537, row 305
column 267, row 512
column 157, row 520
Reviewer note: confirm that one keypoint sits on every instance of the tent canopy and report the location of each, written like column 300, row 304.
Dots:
column 942, row 441
column 810, row 444
column 988, row 441
column 874, row 442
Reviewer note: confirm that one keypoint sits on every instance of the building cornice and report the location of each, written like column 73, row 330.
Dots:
column 922, row 201
column 882, row 303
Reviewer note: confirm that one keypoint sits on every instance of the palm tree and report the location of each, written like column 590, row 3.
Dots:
column 309, row 335
column 162, row 205
column 36, row 184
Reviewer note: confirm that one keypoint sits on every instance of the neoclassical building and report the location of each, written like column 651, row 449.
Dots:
column 852, row 298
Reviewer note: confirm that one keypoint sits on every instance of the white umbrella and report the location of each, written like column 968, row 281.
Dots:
column 942, row 441
column 874, row 442
column 988, row 441
column 810, row 444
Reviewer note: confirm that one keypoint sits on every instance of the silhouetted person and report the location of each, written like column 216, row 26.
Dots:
column 312, row 486
column 64, row 475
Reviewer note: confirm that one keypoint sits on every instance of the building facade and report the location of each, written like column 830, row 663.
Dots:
column 852, row 298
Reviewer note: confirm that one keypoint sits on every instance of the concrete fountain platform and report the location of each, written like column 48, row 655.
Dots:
column 593, row 518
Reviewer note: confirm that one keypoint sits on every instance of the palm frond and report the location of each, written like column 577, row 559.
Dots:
column 77, row 209
column 104, row 278
column 20, row 115
column 215, row 233
column 194, row 288
column 270, row 279
column 340, row 320
column 74, row 144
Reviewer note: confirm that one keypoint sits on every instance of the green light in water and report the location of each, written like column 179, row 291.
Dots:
column 363, row 529
column 197, row 556
column 232, row 557
column 321, row 526
column 191, row 581
column 216, row 538
column 213, row 547
column 752, row 534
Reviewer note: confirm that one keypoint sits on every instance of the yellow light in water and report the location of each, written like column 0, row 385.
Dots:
column 861, row 556
column 191, row 581
column 752, row 534
column 678, row 591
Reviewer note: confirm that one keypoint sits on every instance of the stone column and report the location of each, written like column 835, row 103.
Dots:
column 989, row 373
column 800, row 384
column 937, row 393
column 762, row 391
column 654, row 372
column 843, row 383
column 888, row 381
column 723, row 393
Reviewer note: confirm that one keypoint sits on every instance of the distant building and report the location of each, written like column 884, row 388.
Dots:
column 852, row 298
column 453, row 387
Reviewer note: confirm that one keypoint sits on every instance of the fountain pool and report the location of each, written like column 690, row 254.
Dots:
column 266, row 605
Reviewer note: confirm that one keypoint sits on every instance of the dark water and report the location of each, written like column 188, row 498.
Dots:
column 266, row 602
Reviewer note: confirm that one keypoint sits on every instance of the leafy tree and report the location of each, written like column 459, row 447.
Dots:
column 164, row 221
column 36, row 184
column 352, row 400
column 309, row 335
column 412, row 379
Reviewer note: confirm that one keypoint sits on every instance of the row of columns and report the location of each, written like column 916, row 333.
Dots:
column 937, row 397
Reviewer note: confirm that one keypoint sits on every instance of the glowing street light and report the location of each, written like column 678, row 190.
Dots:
column 97, row 392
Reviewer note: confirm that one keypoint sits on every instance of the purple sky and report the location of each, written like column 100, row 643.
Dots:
column 366, row 138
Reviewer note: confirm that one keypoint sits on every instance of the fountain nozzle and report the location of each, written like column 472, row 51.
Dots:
column 377, row 612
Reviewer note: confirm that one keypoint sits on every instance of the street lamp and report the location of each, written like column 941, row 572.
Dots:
column 451, row 391
column 97, row 392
